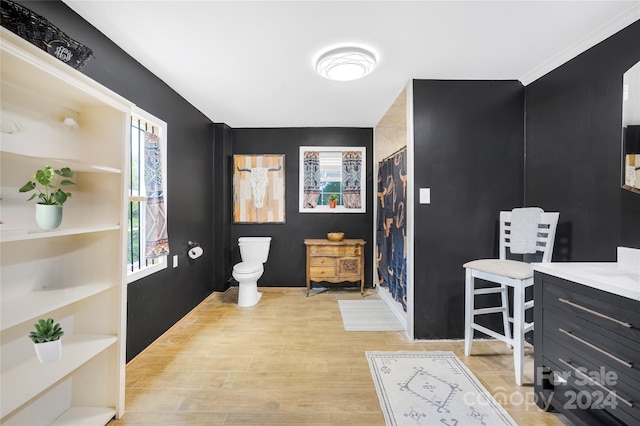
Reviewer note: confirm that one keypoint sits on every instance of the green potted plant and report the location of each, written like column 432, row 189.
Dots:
column 333, row 200
column 46, row 340
column 51, row 196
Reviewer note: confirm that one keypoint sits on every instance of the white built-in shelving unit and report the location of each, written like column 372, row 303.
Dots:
column 74, row 274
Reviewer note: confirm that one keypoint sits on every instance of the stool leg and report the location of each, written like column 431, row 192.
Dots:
column 518, row 331
column 504, row 294
column 468, row 311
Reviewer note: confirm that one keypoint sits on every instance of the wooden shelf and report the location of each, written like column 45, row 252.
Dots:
column 30, row 377
column 23, row 308
column 85, row 416
column 39, row 162
column 76, row 273
column 42, row 68
column 21, row 234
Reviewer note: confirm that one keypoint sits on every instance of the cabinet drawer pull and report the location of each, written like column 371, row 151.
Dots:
column 592, row 346
column 596, row 313
column 595, row 383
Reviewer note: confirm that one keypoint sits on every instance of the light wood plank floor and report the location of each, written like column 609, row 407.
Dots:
column 288, row 361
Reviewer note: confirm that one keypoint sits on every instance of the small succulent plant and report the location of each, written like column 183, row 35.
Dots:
column 46, row 331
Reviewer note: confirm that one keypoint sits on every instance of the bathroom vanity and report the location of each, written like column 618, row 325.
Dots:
column 587, row 339
column 335, row 261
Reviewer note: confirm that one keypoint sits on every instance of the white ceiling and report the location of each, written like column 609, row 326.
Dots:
column 251, row 64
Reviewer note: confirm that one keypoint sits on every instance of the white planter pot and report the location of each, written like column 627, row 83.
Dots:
column 48, row 217
column 49, row 351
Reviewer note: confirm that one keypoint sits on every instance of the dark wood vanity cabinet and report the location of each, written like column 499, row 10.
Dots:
column 587, row 352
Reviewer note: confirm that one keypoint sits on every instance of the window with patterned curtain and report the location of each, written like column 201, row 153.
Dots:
column 147, row 239
column 332, row 179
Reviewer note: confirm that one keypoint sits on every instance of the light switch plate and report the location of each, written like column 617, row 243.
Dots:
column 425, row 195
column 175, row 260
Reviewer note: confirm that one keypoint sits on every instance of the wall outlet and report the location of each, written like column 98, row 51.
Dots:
column 175, row 260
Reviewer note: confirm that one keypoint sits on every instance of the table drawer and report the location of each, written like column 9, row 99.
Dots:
column 316, row 272
column 322, row 261
column 592, row 354
column 588, row 404
column 615, row 313
column 335, row 250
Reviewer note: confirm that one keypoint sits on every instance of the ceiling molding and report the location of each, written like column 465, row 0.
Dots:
column 618, row 23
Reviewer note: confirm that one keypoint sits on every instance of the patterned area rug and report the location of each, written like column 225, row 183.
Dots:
column 368, row 315
column 432, row 388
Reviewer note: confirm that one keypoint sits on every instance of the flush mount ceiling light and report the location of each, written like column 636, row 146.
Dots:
column 345, row 63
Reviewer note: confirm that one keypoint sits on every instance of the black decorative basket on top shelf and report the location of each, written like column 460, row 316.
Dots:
column 41, row 33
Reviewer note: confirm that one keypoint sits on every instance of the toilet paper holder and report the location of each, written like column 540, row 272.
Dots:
column 195, row 251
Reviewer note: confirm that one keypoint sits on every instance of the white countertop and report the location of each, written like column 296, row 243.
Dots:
column 621, row 278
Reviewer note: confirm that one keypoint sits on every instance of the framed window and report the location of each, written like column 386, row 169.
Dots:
column 329, row 173
column 147, row 242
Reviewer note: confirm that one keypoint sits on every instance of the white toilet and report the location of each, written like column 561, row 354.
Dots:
column 254, row 252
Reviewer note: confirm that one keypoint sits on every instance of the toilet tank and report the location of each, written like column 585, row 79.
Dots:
column 254, row 249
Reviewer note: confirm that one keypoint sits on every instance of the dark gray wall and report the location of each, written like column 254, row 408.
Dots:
column 286, row 264
column 573, row 145
column 222, row 199
column 468, row 150
column 157, row 302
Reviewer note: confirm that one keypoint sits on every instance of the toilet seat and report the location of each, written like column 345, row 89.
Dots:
column 247, row 267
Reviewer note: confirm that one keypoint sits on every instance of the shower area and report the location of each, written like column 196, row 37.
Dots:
column 390, row 158
column 391, row 226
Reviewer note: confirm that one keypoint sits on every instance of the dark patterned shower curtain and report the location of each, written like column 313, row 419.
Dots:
column 391, row 231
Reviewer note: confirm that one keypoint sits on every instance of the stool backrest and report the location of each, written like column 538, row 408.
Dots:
column 546, row 234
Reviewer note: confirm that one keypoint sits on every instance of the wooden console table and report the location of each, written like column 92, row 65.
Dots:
column 335, row 261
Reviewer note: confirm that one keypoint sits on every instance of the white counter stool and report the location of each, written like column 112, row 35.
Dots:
column 528, row 237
